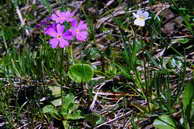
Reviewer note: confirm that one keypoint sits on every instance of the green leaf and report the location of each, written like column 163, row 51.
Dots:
column 81, row 72
column 164, row 122
column 68, row 104
column 50, row 109
column 65, row 124
column 192, row 110
column 184, row 40
column 57, row 102
column 124, row 71
column 74, row 116
column 188, row 95
column 181, row 40
column 56, row 90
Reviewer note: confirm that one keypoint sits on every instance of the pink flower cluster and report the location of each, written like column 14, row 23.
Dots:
column 62, row 34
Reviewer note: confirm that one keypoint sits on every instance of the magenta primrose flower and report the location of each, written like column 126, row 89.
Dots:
column 61, row 17
column 80, row 31
column 59, row 36
column 59, row 33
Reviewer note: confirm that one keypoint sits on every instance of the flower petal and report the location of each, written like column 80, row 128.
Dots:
column 82, row 36
column 54, row 42
column 63, row 43
column 82, row 26
column 139, row 22
column 57, row 17
column 54, row 17
column 51, row 31
column 58, row 13
column 60, row 29
column 73, row 31
column 74, row 22
column 68, row 16
column 68, row 35
column 145, row 14
column 135, row 15
column 139, row 12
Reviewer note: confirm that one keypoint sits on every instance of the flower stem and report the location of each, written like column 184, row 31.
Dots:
column 61, row 73
column 70, row 54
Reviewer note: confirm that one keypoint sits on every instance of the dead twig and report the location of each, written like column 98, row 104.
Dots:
column 113, row 120
column 22, row 20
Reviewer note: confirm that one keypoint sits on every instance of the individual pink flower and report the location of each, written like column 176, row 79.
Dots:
column 59, row 39
column 79, row 30
column 61, row 17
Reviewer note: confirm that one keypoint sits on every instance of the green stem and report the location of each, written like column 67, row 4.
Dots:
column 61, row 72
column 71, row 54
column 65, row 124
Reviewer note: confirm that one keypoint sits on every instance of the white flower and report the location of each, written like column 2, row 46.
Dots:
column 141, row 16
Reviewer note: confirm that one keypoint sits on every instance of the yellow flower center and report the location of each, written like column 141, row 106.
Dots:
column 141, row 18
column 58, row 36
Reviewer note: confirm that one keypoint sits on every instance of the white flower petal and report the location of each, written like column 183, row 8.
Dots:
column 139, row 22
column 145, row 14
column 135, row 15
column 139, row 12
column 148, row 18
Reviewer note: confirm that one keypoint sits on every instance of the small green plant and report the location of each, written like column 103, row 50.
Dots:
column 186, row 122
column 66, row 112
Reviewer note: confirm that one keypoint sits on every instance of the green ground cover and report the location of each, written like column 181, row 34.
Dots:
column 130, row 68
